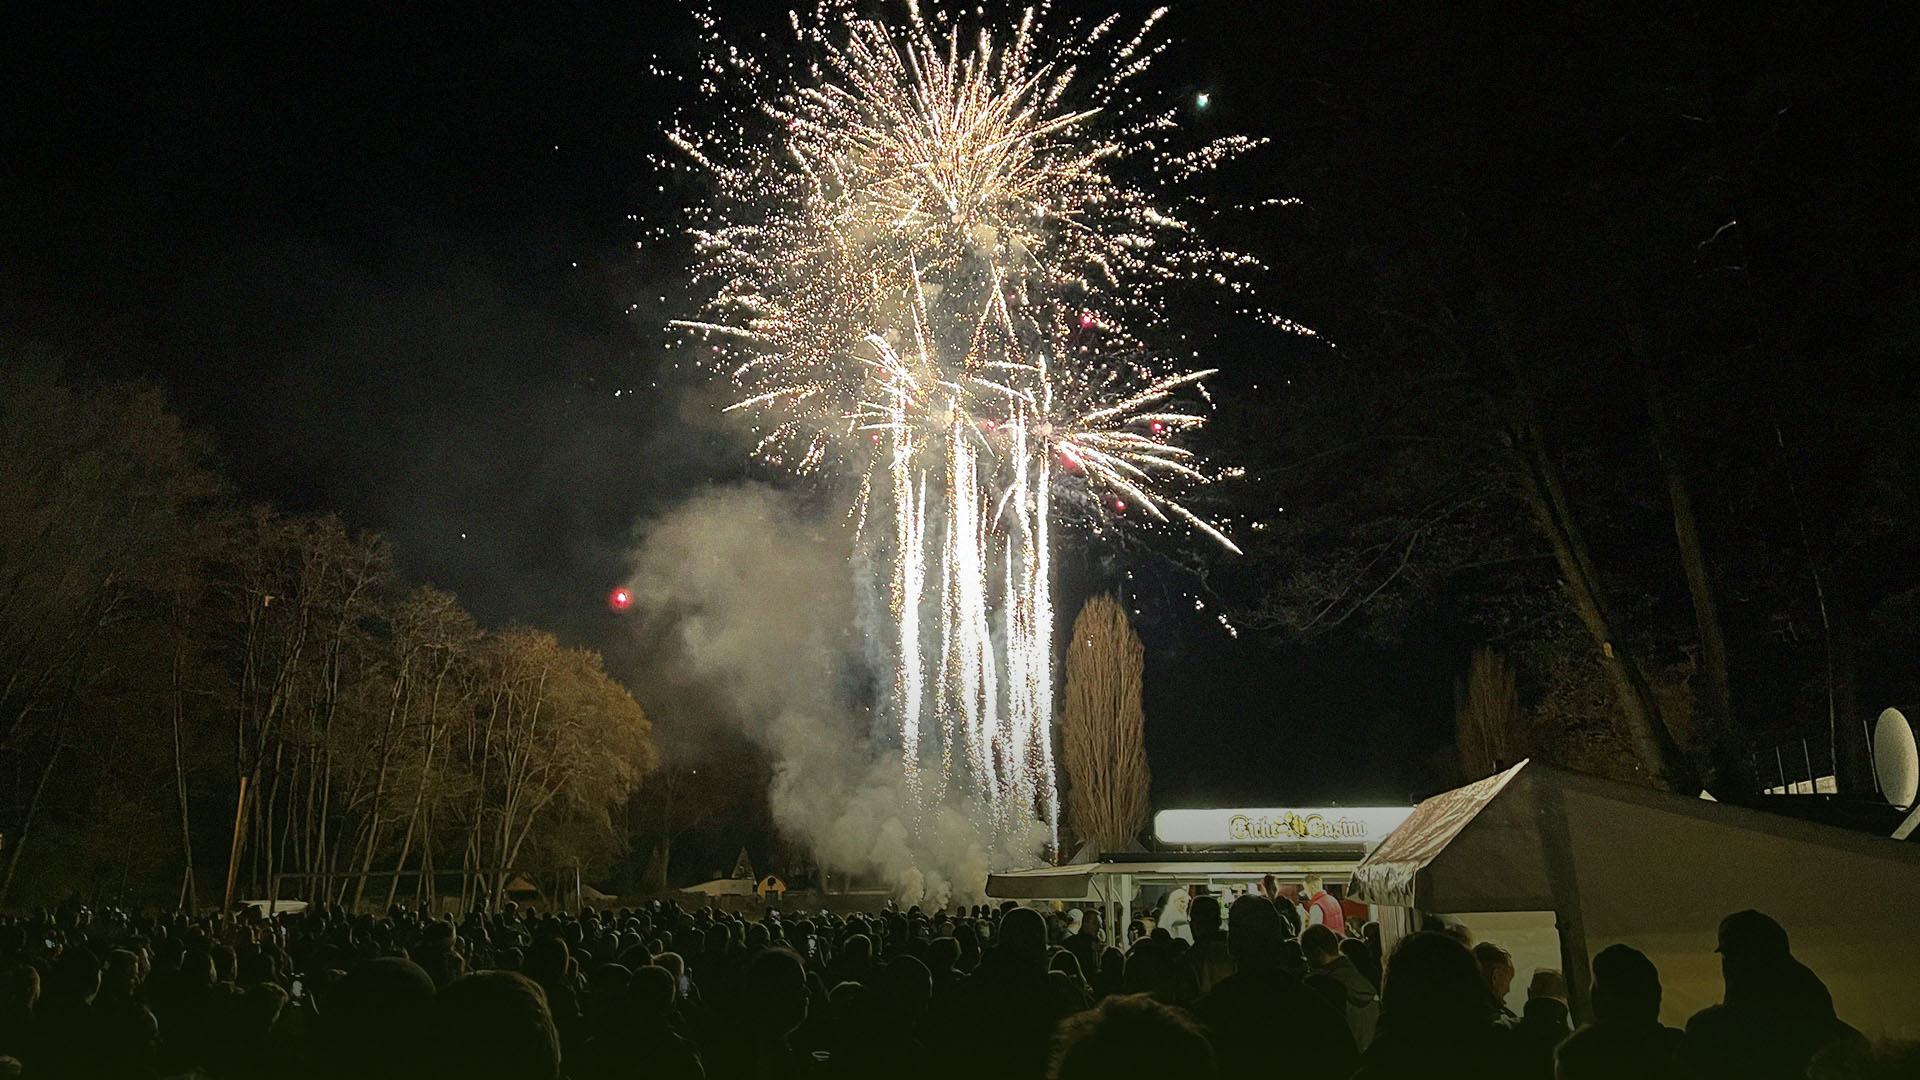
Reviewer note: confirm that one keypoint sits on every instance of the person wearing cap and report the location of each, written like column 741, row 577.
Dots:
column 1776, row 1013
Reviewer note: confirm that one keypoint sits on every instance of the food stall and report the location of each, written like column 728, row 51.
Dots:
column 1226, row 851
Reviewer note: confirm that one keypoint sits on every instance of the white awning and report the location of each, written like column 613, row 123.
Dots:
column 1088, row 881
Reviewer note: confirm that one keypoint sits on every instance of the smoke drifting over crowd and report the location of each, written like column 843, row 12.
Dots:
column 745, row 591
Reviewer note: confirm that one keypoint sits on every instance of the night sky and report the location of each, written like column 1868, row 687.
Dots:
column 387, row 257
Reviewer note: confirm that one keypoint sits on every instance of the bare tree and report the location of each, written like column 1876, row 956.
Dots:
column 1104, row 729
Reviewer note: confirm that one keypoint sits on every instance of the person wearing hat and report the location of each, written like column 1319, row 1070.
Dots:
column 1776, row 1013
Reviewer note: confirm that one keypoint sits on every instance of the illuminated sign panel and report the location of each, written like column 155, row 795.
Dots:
column 1366, row 825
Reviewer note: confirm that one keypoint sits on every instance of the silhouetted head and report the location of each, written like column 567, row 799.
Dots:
column 674, row 963
column 774, row 992
column 1753, row 952
column 1205, row 915
column 1432, row 981
column 1067, row 964
column 1320, row 945
column 122, row 975
column 1129, row 1035
column 1254, row 933
column 1024, row 934
column 1496, row 968
column 943, row 954
column 196, row 968
column 1547, row 983
column 371, row 1018
column 19, row 989
column 1750, row 934
column 1626, row 985
column 74, row 979
column 493, row 1025
column 908, row 987
column 546, row 959
column 650, row 992
column 857, row 952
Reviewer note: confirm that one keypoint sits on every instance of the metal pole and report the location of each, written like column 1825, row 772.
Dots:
column 1873, row 760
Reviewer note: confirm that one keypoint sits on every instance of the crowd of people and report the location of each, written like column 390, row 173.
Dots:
column 666, row 993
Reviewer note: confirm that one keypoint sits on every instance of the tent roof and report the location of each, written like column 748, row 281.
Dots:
column 1386, row 875
column 1480, row 847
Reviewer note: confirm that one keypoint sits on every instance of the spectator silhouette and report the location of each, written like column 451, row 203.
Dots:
column 1263, row 1005
column 125, row 1028
column 549, row 963
column 1626, row 1037
column 64, row 1017
column 1358, row 1001
column 1435, row 1016
column 371, row 1021
column 437, row 953
column 1362, row 958
column 1542, row 1026
column 1496, row 972
column 1001, row 1018
column 1209, row 961
column 1129, row 1035
column 1112, row 978
column 1088, row 944
column 19, row 994
column 772, row 1003
column 492, row 1025
column 639, row 1042
column 1776, row 1013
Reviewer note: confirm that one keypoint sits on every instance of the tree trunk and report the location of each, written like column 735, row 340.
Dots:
column 654, row 880
column 33, row 809
column 1728, row 760
column 1653, row 743
column 189, row 895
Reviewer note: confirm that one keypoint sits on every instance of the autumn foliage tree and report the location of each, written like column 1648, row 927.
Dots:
column 1103, row 729
column 196, row 694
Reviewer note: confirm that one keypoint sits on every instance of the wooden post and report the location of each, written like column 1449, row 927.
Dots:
column 233, row 853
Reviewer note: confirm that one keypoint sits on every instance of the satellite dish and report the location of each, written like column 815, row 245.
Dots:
column 1896, row 761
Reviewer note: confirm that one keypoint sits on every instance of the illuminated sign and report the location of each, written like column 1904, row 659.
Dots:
column 1366, row 825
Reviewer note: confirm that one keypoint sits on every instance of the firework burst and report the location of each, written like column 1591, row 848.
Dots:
column 933, row 256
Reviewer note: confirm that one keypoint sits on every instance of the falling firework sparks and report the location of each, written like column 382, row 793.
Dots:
column 924, row 259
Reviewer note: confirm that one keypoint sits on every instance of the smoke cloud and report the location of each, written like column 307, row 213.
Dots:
column 750, row 593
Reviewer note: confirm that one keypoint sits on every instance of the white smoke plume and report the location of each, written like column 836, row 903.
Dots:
column 756, row 598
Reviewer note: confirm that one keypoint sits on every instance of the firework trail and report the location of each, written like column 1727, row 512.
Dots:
column 931, row 256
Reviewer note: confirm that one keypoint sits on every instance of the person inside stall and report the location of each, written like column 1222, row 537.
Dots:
column 1323, row 908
